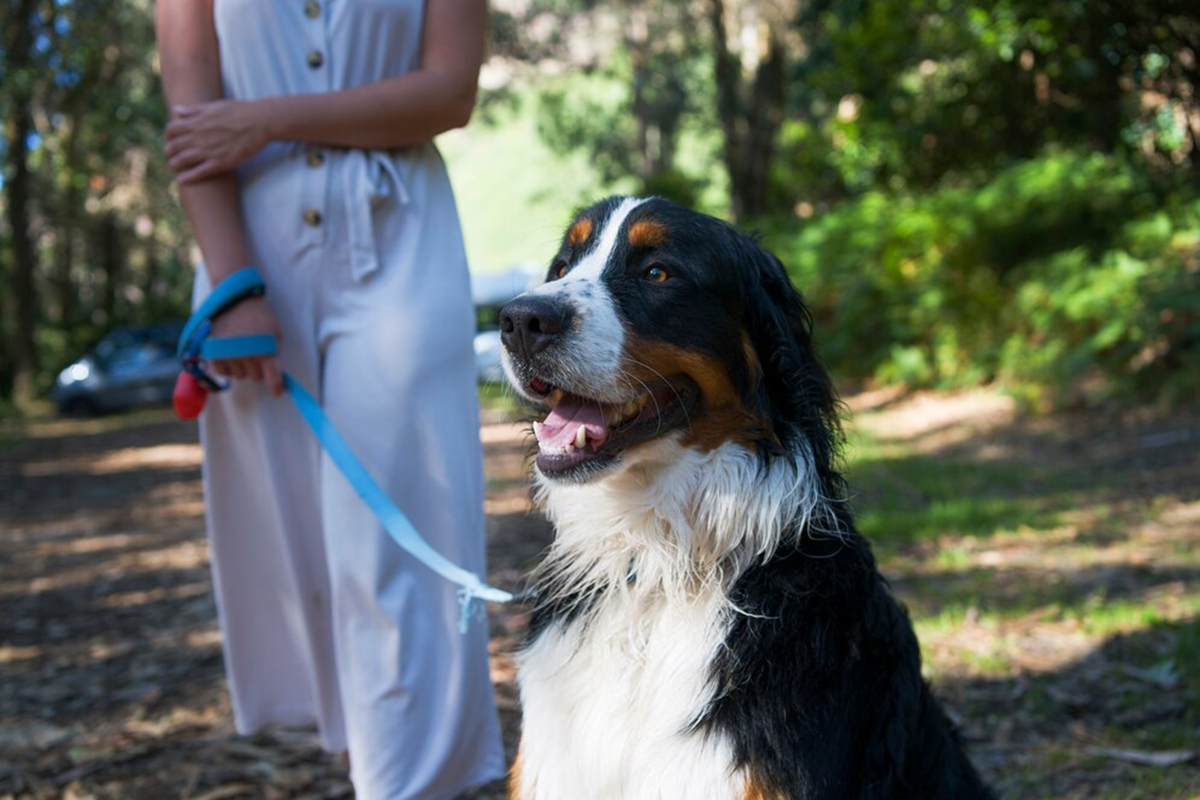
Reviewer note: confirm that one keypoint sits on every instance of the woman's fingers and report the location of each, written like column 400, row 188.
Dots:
column 259, row 368
column 183, row 161
column 273, row 374
column 178, row 127
column 202, row 171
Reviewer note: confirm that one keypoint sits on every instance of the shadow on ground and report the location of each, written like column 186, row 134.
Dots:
column 1050, row 565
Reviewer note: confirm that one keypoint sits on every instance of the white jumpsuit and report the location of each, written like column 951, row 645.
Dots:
column 325, row 619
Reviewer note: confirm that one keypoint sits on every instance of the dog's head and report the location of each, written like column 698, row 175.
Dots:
column 656, row 324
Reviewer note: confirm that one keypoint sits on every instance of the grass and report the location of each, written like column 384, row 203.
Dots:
column 1055, row 597
column 499, row 399
column 905, row 497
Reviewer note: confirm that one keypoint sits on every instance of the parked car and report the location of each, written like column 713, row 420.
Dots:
column 131, row 366
column 136, row 365
column 490, row 291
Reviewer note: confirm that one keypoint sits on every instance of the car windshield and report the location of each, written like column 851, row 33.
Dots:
column 137, row 344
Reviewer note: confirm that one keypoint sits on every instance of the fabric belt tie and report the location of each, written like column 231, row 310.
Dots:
column 370, row 180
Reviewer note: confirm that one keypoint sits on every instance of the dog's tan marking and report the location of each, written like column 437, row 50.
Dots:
column 647, row 233
column 757, row 790
column 752, row 362
column 580, row 232
column 721, row 415
column 514, row 778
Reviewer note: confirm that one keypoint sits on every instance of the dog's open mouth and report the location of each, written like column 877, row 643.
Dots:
column 580, row 432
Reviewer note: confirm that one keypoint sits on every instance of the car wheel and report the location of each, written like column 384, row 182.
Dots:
column 79, row 407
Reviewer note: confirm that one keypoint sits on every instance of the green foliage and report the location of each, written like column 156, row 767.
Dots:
column 969, row 191
column 901, row 93
column 1069, row 277
column 590, row 114
column 109, row 244
column 515, row 194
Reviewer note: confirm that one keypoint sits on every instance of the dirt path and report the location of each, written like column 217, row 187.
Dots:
column 1051, row 567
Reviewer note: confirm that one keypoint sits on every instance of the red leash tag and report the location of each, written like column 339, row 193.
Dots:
column 189, row 396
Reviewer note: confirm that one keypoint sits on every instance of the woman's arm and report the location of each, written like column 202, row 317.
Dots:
column 191, row 73
column 212, row 138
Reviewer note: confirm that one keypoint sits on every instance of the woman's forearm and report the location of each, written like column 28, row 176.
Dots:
column 403, row 110
column 191, row 73
column 395, row 112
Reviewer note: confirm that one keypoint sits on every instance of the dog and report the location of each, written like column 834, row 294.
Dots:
column 708, row 622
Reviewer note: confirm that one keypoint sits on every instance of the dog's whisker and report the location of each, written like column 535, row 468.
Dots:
column 671, row 386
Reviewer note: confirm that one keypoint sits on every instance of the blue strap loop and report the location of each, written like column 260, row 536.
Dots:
column 194, row 344
column 259, row 344
column 236, row 287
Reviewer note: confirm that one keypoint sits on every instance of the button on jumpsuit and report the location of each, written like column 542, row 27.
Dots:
column 325, row 619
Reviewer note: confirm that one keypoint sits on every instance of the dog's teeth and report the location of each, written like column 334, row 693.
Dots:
column 581, row 437
column 555, row 397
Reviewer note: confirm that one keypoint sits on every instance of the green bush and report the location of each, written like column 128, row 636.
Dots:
column 1069, row 278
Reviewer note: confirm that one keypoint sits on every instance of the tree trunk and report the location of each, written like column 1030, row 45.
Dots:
column 17, row 127
column 6, row 368
column 636, row 41
column 24, row 256
column 66, row 298
column 152, row 290
column 108, row 250
column 750, row 116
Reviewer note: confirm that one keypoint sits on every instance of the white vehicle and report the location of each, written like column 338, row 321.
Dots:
column 490, row 292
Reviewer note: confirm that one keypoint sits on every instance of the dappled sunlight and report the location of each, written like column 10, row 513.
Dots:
column 1052, row 570
column 508, row 505
column 188, row 555
column 501, row 433
column 128, row 458
column 58, row 428
column 157, row 594
column 930, row 421
column 1055, row 599
column 9, row 655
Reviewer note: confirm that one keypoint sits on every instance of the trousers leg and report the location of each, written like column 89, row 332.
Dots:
column 271, row 581
column 419, row 709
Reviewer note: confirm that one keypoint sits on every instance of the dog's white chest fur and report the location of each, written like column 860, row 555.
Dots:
column 608, row 705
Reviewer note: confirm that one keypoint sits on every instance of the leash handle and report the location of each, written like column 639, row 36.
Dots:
column 236, row 286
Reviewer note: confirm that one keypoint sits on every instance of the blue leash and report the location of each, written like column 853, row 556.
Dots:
column 195, row 346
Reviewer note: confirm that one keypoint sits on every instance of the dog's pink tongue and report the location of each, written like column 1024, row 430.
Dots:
column 562, row 425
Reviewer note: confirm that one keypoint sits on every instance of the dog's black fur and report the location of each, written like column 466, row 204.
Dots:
column 818, row 686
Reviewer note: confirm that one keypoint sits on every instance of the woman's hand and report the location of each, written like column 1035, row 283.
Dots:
column 212, row 138
column 249, row 317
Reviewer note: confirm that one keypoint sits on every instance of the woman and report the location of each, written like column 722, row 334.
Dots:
column 301, row 138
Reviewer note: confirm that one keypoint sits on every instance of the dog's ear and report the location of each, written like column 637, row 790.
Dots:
column 794, row 389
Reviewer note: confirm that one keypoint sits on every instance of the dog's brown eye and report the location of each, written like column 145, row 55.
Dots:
column 559, row 269
column 656, row 274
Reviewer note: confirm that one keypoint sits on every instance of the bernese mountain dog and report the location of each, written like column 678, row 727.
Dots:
column 708, row 622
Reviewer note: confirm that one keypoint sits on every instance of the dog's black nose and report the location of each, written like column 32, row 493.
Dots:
column 529, row 325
